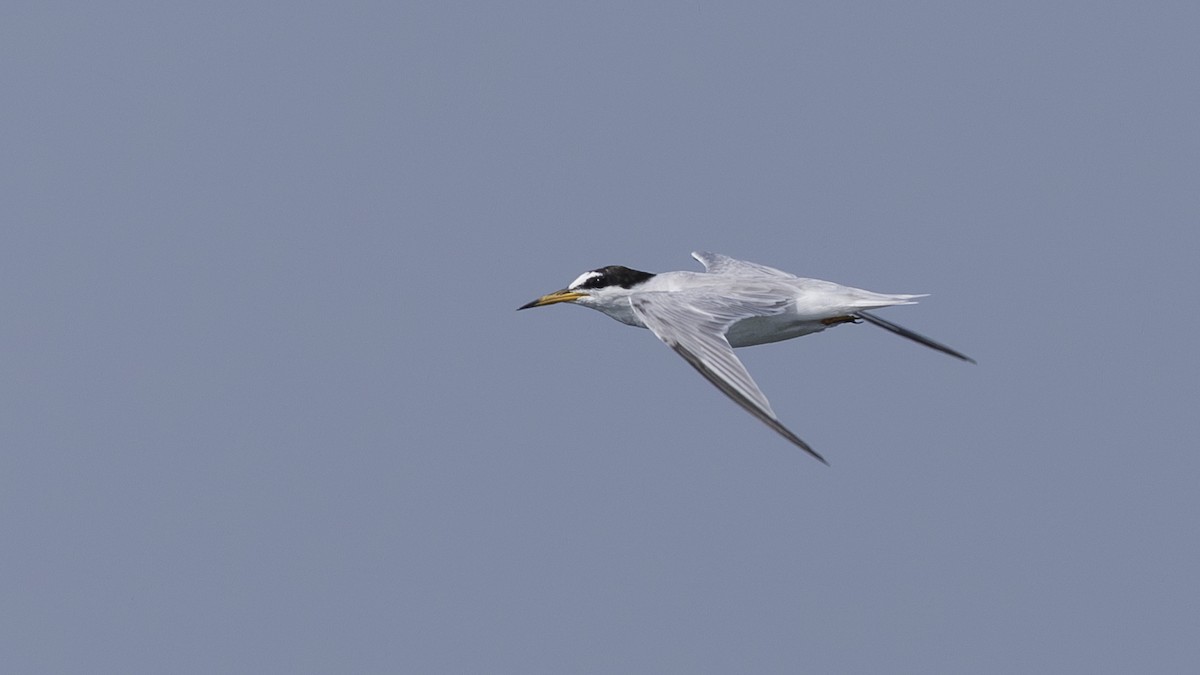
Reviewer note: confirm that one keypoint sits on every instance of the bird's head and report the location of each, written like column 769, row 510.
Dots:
column 595, row 288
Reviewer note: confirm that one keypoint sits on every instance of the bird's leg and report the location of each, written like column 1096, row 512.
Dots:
column 835, row 320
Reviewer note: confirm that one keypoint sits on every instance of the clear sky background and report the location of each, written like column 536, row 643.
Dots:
column 268, row 408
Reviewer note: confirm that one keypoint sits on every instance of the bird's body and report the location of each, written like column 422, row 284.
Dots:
column 803, row 306
column 734, row 303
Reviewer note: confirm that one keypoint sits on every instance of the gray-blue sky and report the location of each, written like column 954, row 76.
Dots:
column 268, row 407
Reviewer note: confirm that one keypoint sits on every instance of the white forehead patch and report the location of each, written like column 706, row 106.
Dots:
column 582, row 279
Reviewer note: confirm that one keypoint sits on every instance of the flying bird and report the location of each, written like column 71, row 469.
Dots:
column 732, row 303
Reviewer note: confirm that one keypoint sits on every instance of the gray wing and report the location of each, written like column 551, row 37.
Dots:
column 715, row 263
column 694, row 325
column 915, row 337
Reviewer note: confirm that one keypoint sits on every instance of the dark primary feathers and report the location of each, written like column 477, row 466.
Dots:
column 915, row 337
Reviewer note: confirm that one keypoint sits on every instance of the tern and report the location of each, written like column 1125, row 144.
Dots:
column 732, row 303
